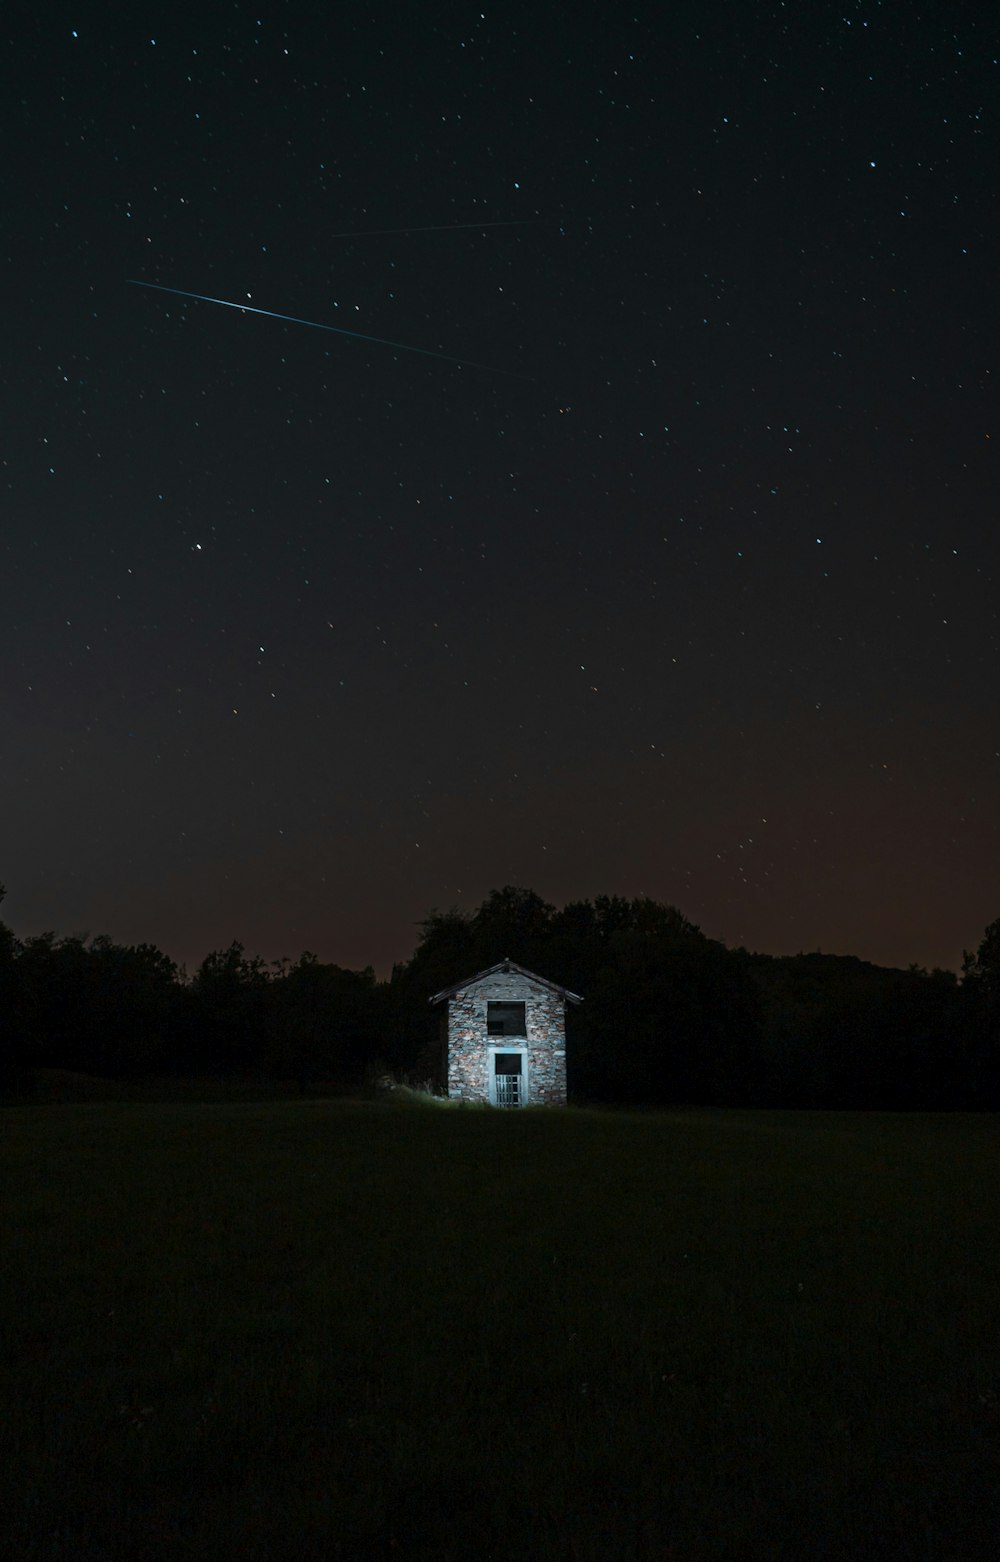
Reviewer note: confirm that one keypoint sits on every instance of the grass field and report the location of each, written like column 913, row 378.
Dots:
column 358, row 1330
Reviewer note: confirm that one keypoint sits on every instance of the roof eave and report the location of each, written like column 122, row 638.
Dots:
column 506, row 965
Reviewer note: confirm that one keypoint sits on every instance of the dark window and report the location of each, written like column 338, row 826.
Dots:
column 507, row 1063
column 505, row 1019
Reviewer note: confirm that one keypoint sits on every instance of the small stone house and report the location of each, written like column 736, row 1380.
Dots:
column 505, row 1037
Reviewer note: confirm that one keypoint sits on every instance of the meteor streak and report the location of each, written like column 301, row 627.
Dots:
column 319, row 325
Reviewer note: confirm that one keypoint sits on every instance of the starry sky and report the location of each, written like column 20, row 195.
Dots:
column 681, row 581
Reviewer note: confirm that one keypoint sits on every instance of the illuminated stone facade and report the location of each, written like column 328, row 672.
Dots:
column 505, row 1038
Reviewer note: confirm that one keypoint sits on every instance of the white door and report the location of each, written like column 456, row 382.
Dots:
column 507, row 1077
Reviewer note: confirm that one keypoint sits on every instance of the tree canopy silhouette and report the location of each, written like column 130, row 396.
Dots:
column 670, row 1015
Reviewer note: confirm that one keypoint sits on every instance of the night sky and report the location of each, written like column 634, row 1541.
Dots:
column 683, row 582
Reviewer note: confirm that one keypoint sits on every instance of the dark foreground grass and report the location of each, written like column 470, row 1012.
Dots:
column 348, row 1330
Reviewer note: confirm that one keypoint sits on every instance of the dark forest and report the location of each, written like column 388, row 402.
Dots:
column 670, row 1016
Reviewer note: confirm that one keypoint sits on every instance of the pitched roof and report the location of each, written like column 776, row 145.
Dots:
column 505, row 966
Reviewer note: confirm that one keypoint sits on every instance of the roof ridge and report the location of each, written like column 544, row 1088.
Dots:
column 506, row 965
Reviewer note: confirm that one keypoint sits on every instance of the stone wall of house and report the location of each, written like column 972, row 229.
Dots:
column 469, row 1046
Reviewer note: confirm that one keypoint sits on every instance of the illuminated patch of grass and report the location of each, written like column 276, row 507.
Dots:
column 361, row 1330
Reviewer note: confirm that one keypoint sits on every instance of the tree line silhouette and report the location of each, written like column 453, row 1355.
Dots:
column 670, row 1016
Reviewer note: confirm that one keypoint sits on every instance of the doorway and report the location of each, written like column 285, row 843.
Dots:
column 508, row 1077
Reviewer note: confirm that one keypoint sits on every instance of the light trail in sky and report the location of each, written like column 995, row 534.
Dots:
column 319, row 325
